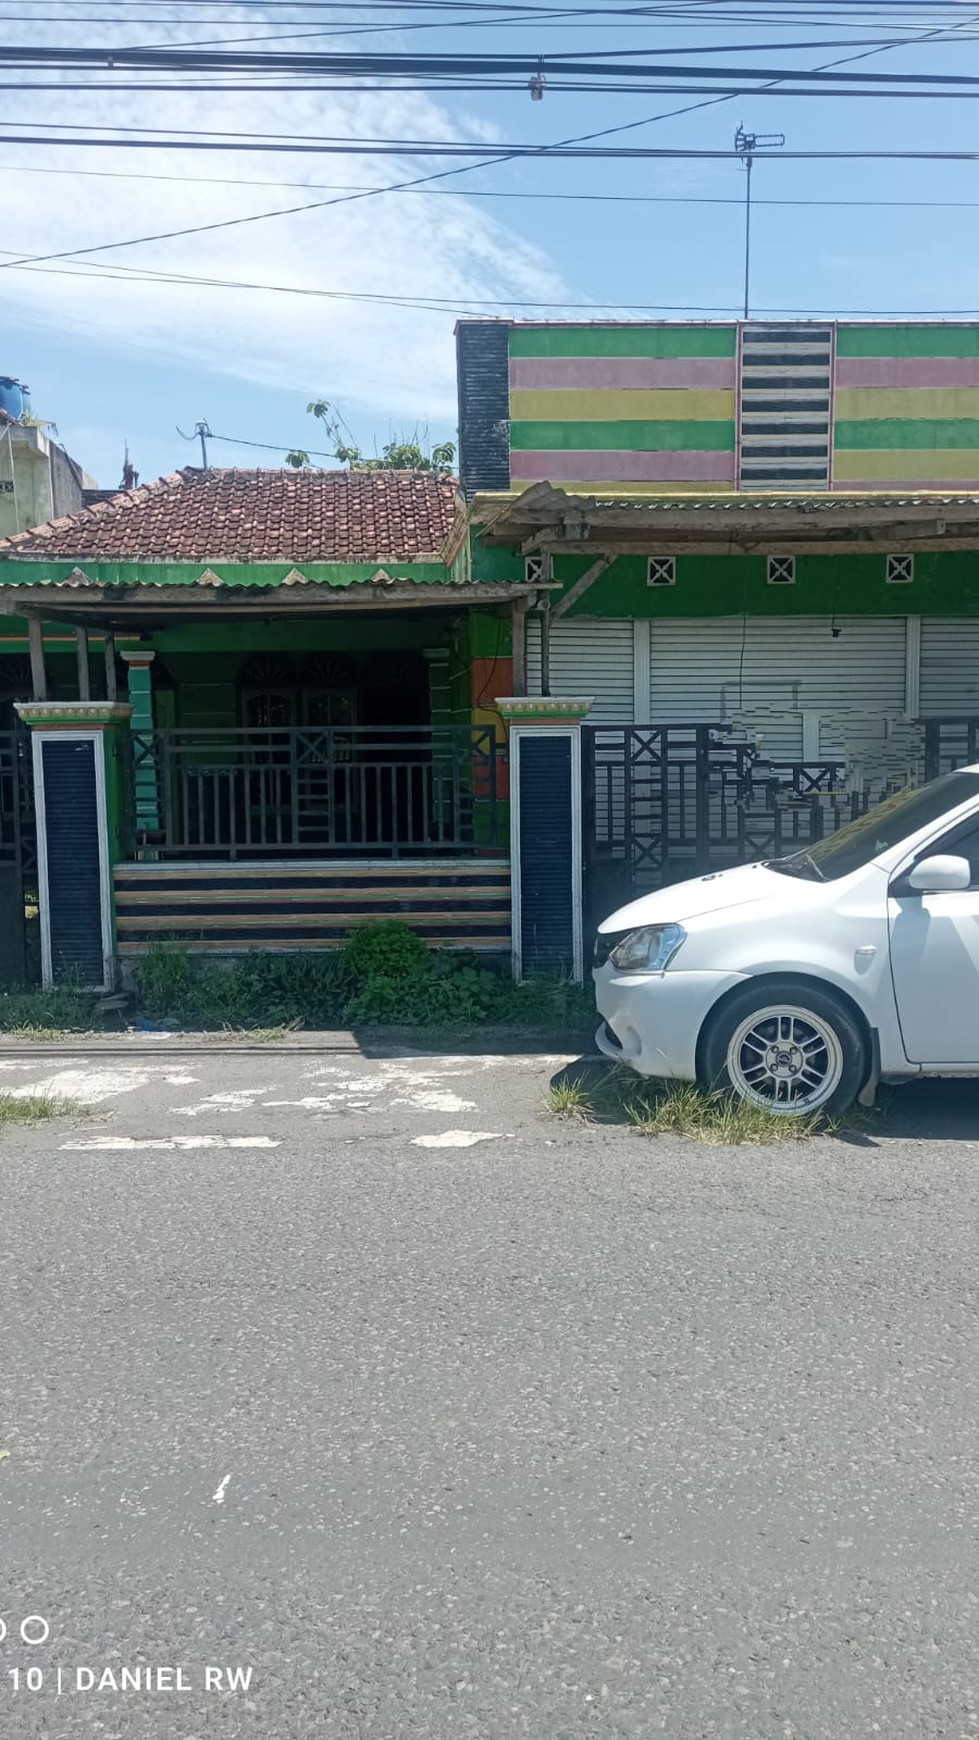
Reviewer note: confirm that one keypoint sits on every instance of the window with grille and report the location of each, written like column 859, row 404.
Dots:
column 781, row 570
column 661, row 571
column 900, row 570
column 533, row 570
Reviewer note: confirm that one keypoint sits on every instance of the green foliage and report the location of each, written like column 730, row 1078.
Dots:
column 34, row 1108
column 36, row 1014
column 404, row 454
column 263, row 991
column 386, row 974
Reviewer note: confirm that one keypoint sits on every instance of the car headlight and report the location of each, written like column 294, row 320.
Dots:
column 649, row 950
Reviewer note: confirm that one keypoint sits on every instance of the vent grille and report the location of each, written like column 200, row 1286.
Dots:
column 784, row 392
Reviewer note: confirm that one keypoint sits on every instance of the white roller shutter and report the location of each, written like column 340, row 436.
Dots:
column 949, row 667
column 711, row 670
column 588, row 657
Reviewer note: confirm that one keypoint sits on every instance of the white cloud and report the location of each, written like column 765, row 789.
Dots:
column 378, row 358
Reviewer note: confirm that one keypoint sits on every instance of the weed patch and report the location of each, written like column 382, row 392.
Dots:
column 36, row 1015
column 570, row 1099
column 35, row 1108
column 386, row 974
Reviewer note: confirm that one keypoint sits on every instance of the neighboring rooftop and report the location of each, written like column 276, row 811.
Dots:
column 260, row 516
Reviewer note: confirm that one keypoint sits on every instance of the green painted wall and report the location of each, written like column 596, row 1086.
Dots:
column 635, row 436
column 945, row 584
column 885, row 340
column 625, row 339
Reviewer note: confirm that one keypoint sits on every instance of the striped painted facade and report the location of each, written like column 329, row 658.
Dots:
column 740, row 405
column 226, row 908
column 600, row 406
column 906, row 407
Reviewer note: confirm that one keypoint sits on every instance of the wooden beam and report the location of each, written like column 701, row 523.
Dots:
column 35, row 641
column 84, row 679
column 111, row 683
column 581, row 586
column 519, row 618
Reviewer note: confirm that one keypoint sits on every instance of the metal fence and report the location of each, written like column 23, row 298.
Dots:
column 316, row 792
column 663, row 802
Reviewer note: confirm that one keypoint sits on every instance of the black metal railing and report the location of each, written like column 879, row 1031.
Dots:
column 950, row 743
column 663, row 802
column 316, row 791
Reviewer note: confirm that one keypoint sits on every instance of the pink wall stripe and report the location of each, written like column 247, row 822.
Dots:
column 613, row 467
column 597, row 372
column 907, row 371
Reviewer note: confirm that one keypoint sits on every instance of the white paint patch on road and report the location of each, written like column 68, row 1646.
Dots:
column 88, row 1085
column 456, row 1139
column 141, row 1144
column 218, row 1497
column 239, row 1100
column 435, row 1100
column 180, row 1080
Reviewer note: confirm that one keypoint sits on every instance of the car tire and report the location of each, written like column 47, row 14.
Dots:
column 787, row 1047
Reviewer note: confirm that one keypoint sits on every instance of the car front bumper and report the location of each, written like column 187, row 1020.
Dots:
column 652, row 1021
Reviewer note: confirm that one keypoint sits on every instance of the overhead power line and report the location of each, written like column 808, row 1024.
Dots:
column 499, row 193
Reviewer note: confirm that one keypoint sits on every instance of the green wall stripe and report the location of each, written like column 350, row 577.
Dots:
column 623, row 340
column 913, row 433
column 907, row 340
column 629, row 437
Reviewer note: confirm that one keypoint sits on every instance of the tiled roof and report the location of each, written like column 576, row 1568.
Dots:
column 258, row 516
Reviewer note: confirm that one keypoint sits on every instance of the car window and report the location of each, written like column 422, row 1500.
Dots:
column 887, row 824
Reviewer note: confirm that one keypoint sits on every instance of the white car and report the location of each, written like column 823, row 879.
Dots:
column 801, row 982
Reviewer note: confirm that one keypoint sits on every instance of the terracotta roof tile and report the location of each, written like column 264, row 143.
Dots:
column 258, row 516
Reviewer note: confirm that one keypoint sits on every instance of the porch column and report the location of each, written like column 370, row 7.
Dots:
column 80, row 766
column 146, row 794
column 546, row 833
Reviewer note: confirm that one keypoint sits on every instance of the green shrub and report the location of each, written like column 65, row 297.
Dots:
column 385, row 974
column 388, row 949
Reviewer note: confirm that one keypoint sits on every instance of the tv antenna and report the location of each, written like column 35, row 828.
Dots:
column 746, row 144
column 200, row 433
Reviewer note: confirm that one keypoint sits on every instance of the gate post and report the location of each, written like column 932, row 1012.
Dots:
column 545, row 832
column 79, row 797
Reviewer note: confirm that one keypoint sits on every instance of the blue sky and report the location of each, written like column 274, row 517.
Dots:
column 110, row 360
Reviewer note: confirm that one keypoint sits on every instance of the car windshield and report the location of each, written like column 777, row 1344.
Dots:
column 892, row 821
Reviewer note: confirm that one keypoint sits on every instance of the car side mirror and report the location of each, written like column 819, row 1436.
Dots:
column 942, row 874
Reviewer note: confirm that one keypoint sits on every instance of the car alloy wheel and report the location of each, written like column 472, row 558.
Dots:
column 785, row 1059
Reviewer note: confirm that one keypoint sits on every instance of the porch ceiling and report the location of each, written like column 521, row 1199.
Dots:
column 544, row 518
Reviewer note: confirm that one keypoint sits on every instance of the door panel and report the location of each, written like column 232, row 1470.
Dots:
column 935, row 965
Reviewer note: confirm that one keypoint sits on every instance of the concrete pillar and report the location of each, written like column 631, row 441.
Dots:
column 80, row 773
column 546, row 866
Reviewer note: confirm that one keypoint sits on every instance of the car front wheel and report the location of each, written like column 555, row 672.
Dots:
column 786, row 1048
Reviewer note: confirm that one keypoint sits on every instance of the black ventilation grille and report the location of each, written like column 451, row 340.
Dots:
column 546, row 891
column 71, row 825
column 483, row 372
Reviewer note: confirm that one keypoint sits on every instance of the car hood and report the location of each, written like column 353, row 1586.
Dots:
column 742, row 886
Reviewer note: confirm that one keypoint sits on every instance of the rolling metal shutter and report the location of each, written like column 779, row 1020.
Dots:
column 588, row 657
column 707, row 670
column 949, row 667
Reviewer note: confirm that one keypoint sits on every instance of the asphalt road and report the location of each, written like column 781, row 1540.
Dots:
column 555, row 1432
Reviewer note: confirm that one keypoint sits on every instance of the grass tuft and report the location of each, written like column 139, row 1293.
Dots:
column 35, row 1108
column 713, row 1118
column 570, row 1099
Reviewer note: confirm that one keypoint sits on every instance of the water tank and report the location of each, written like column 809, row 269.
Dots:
column 15, row 398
